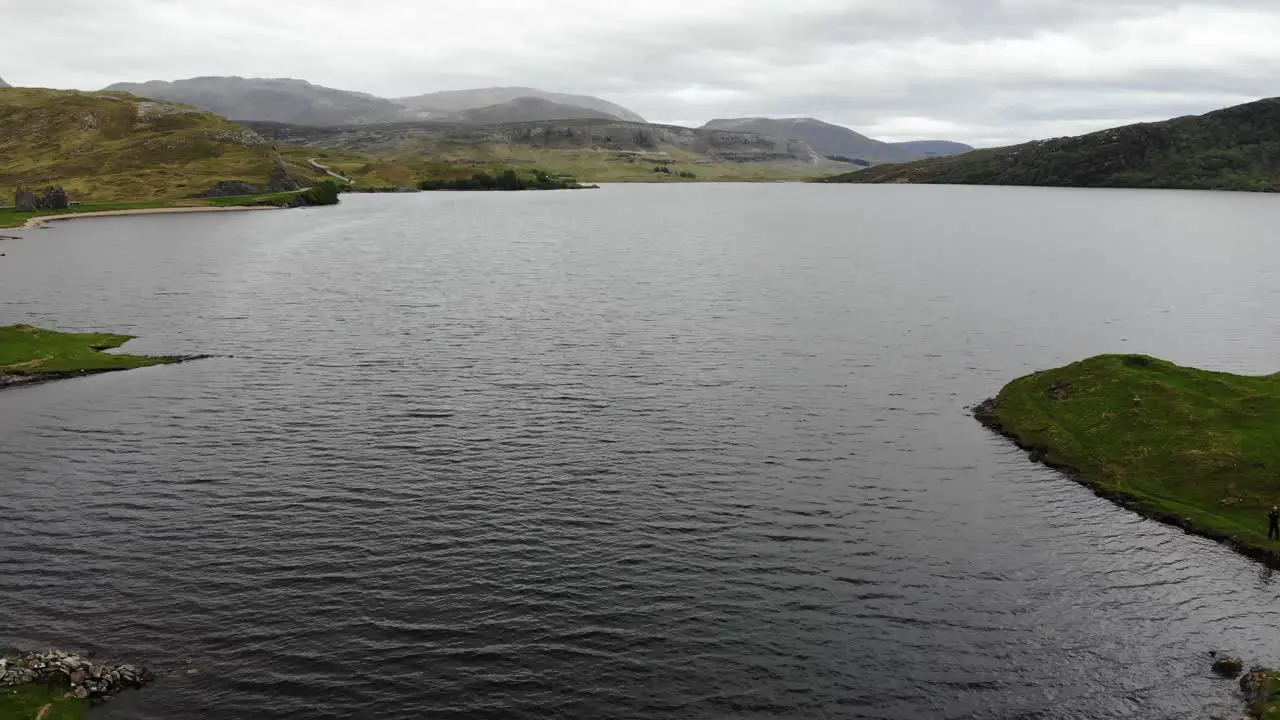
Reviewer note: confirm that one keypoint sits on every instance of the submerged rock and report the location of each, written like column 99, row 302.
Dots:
column 1228, row 666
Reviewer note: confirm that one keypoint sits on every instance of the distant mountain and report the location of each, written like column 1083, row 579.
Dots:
column 931, row 148
column 1237, row 148
column 835, row 140
column 4, row 84
column 456, row 101
column 529, row 109
column 273, row 100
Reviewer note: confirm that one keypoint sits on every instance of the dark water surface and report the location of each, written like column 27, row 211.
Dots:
column 642, row 452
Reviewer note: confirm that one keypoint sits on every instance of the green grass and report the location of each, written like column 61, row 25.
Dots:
column 1197, row 448
column 25, row 350
column 23, row 702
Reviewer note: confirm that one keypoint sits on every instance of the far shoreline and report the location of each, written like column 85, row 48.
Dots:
column 40, row 221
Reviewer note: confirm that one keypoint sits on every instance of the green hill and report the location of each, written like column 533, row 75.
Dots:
column 1237, row 148
column 1194, row 448
column 104, row 146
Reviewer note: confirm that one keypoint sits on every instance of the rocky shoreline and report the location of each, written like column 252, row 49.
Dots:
column 83, row 678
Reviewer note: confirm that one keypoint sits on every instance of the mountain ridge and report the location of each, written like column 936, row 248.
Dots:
column 531, row 109
column 462, row 100
column 270, row 99
column 836, row 141
column 1233, row 148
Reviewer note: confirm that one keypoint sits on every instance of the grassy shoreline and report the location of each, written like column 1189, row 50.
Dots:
column 26, row 702
column 1191, row 448
column 10, row 217
column 29, row 355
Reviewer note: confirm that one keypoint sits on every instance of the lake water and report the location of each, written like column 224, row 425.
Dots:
column 643, row 452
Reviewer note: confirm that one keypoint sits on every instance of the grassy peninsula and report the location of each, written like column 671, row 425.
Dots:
column 29, row 354
column 1236, row 148
column 1190, row 447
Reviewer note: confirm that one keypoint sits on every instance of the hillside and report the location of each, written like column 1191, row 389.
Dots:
column 1237, row 148
column 272, row 100
column 931, row 148
column 531, row 109
column 440, row 104
column 589, row 150
column 837, row 141
column 552, row 134
column 112, row 146
column 4, row 84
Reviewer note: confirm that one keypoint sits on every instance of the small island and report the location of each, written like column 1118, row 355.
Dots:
column 30, row 355
column 1192, row 448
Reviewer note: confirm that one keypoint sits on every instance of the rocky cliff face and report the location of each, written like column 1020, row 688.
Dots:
column 618, row 135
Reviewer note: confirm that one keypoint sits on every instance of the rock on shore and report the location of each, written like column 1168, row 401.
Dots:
column 82, row 677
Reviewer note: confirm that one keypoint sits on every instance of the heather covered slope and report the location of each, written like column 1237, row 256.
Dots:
column 104, row 146
column 1237, row 148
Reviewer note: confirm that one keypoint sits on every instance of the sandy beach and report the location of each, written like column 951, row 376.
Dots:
column 39, row 222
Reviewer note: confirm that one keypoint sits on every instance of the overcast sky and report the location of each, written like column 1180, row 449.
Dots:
column 979, row 71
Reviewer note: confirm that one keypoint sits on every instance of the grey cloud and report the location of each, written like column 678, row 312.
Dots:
column 985, row 71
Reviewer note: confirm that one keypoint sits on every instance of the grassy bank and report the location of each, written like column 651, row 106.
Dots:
column 324, row 193
column 24, row 702
column 30, row 353
column 1194, row 448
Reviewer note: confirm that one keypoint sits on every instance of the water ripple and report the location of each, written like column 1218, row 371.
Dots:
column 563, row 455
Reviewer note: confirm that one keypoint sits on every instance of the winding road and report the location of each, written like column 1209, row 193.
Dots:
column 329, row 172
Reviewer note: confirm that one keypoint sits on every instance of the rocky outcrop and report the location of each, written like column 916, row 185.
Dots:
column 82, row 677
column 615, row 135
column 1261, row 688
column 281, row 181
